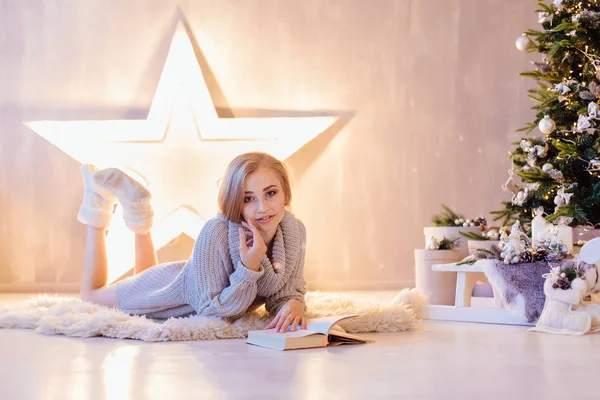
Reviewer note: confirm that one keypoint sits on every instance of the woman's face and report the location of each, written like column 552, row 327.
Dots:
column 264, row 200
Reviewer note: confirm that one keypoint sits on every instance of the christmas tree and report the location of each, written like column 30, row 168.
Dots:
column 559, row 168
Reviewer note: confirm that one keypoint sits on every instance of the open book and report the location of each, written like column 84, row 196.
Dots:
column 319, row 332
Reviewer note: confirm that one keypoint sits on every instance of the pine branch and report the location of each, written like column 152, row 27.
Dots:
column 564, row 27
column 446, row 217
column 473, row 236
column 570, row 273
column 448, row 243
column 469, row 260
column 594, row 198
column 535, row 175
column 546, row 8
column 565, row 149
column 572, row 211
column 527, row 128
column 508, row 215
column 534, row 75
column 493, row 253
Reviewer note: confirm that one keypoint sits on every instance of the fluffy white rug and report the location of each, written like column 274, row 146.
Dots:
column 53, row 315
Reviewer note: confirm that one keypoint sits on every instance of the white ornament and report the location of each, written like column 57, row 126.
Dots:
column 526, row 145
column 562, row 198
column 432, row 244
column 583, row 123
column 556, row 175
column 593, row 110
column 523, row 42
column 547, row 167
column 543, row 16
column 547, row 125
column 562, row 88
column 520, row 198
column 511, row 185
column 540, row 151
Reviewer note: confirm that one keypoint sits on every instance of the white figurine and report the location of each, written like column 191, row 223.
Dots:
column 538, row 225
column 515, row 245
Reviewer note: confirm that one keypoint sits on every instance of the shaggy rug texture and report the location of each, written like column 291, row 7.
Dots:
column 54, row 315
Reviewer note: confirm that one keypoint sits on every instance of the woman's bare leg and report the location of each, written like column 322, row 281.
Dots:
column 95, row 270
column 145, row 255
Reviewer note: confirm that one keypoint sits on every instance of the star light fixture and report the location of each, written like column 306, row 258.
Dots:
column 180, row 150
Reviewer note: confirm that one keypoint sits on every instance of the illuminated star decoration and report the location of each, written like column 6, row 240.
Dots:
column 181, row 149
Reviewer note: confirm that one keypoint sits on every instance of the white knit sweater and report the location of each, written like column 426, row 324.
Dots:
column 214, row 282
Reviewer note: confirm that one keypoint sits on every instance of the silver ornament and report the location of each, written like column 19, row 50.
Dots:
column 493, row 234
column 547, row 167
column 523, row 42
column 556, row 175
column 547, row 125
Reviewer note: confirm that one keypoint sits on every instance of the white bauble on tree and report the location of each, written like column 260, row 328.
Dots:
column 547, row 167
column 547, row 125
column 523, row 42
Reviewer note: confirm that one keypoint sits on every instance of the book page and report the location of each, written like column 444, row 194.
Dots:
column 338, row 335
column 324, row 324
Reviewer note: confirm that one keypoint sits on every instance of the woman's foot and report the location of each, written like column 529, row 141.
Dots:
column 133, row 196
column 98, row 204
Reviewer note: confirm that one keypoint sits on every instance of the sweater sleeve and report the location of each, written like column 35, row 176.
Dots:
column 210, row 289
column 295, row 287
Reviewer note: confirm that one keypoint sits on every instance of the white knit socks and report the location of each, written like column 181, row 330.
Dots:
column 133, row 196
column 98, row 205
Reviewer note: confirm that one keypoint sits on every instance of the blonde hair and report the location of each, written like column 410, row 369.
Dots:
column 231, row 192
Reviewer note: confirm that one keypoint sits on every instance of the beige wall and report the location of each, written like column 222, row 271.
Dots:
column 431, row 89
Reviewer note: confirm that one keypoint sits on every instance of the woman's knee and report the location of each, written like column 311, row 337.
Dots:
column 105, row 296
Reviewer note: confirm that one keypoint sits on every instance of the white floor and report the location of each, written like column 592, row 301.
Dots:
column 436, row 361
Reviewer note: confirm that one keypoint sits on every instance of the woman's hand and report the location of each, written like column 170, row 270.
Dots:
column 252, row 247
column 291, row 313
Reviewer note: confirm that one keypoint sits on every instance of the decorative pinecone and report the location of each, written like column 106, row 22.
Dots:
column 526, row 257
column 555, row 285
column 480, row 221
column 563, row 283
column 540, row 255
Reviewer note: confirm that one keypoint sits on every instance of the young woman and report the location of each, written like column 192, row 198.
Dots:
column 251, row 253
